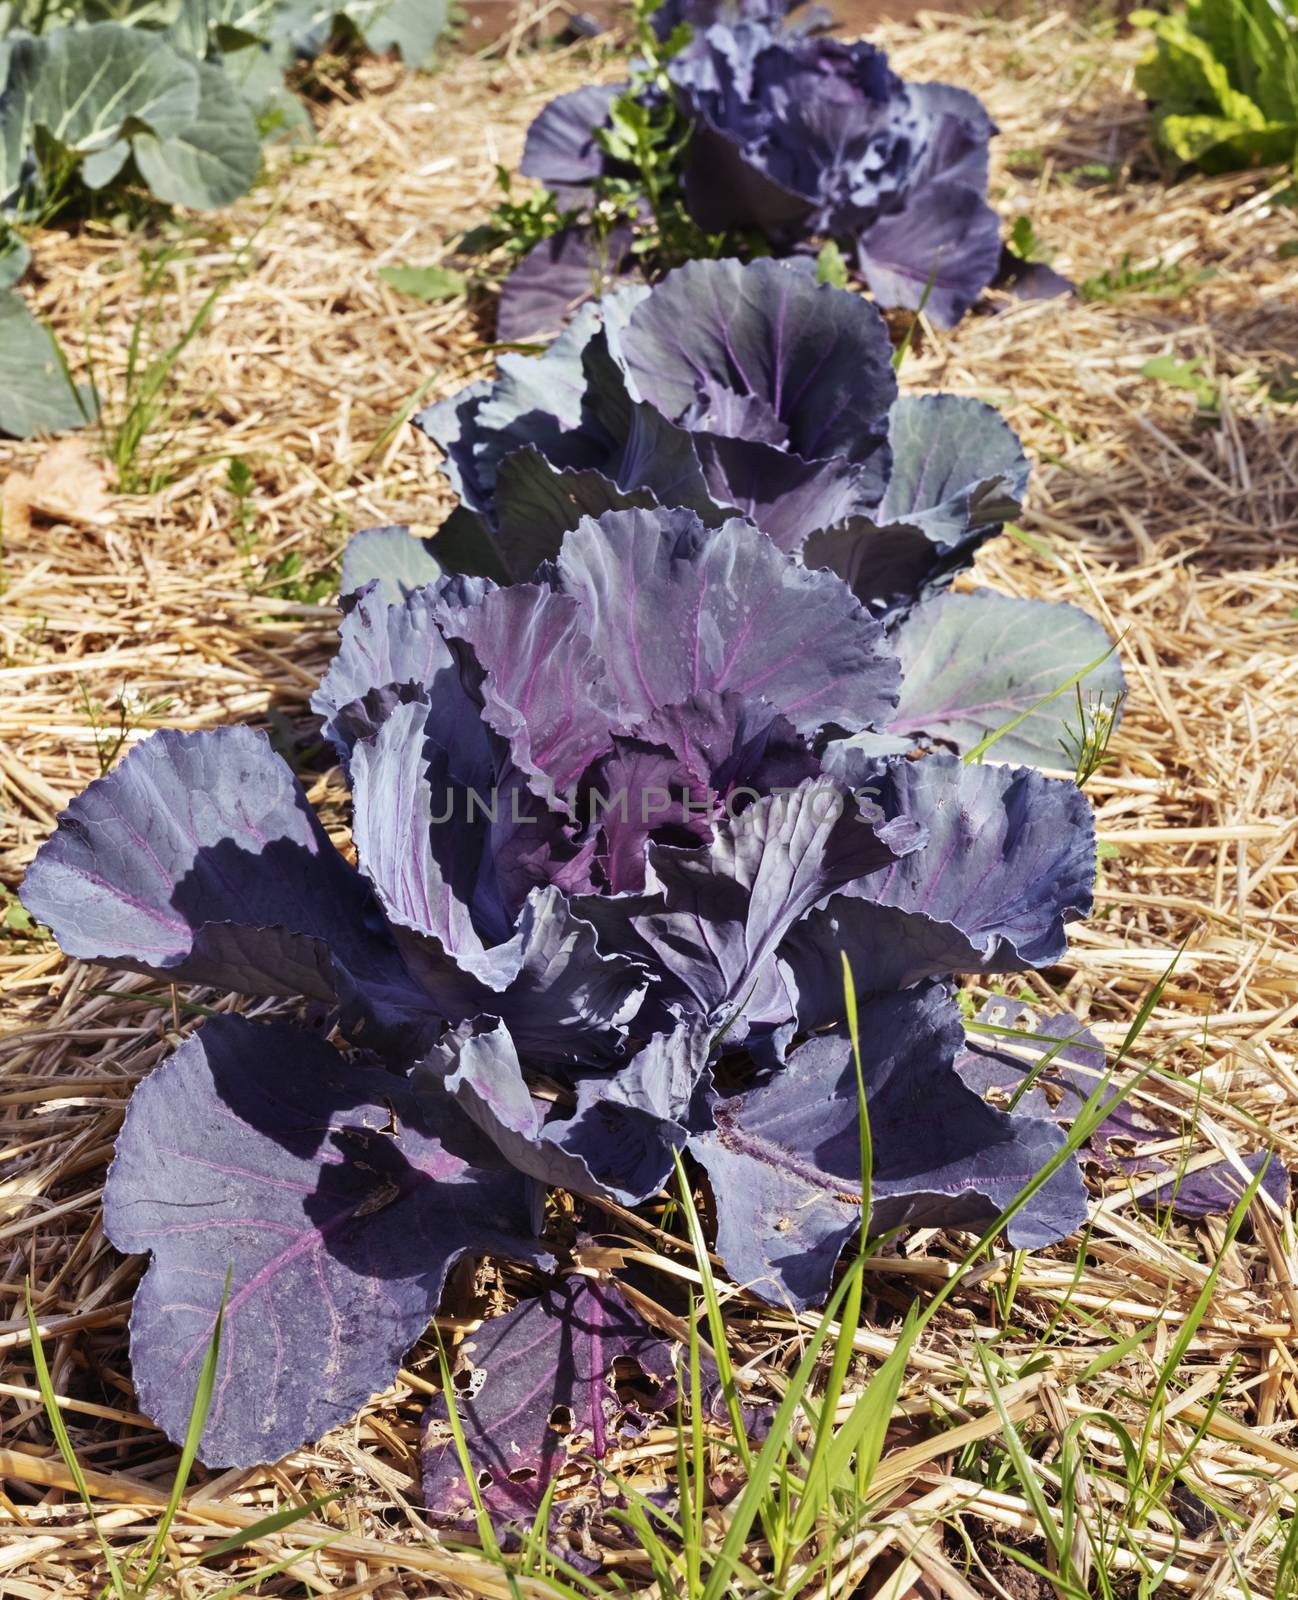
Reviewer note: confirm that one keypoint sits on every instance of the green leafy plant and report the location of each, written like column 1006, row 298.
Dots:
column 644, row 139
column 16, row 919
column 1223, row 77
column 831, row 266
column 37, row 392
column 1152, row 278
column 425, row 283
column 1025, row 242
column 143, row 409
column 240, row 483
column 515, row 225
column 165, row 100
column 1086, row 743
column 78, row 104
column 1187, row 375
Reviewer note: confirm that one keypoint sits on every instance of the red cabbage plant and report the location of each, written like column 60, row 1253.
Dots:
column 746, row 132
column 618, row 807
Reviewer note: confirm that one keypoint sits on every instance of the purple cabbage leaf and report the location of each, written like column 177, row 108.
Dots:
column 390, row 557
column 1010, row 830
column 811, row 137
column 974, row 664
column 558, row 275
column 784, row 1159
column 335, row 1198
column 1054, row 1064
column 538, row 1393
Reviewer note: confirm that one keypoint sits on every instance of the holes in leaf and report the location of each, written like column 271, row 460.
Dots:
column 522, row 1474
column 485, row 1479
column 561, row 1419
column 632, row 1384
column 468, row 1381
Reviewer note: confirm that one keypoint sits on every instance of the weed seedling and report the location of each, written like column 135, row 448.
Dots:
column 112, row 725
column 1086, row 745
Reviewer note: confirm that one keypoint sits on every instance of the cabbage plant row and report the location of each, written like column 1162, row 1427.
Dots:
column 673, row 713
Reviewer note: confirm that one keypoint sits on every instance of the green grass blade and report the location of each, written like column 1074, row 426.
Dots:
column 903, row 349
column 1194, row 1318
column 193, row 1435
column 728, row 1560
column 268, row 1525
column 809, row 1507
column 59, row 1429
column 716, row 1320
column 865, row 1432
column 271, row 1571
column 1026, row 1472
column 486, row 1533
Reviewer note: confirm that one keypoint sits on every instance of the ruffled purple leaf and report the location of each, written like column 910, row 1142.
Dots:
column 562, row 997
column 557, row 276
column 1051, row 1064
column 763, row 352
column 958, row 473
column 785, row 1159
column 199, row 860
column 800, row 138
column 636, row 790
column 955, row 132
column 657, row 455
column 478, row 1068
column 888, row 569
column 727, row 908
column 530, row 402
column 724, row 190
column 619, row 1139
column 973, row 663
column 1009, row 857
column 957, row 468
column 538, row 504
column 425, row 762
column 1216, row 1190
column 820, row 125
column 1030, row 280
column 336, row 1202
column 1009, row 860
column 542, row 1391
column 784, row 495
column 628, row 1128
column 545, row 687
column 728, row 745
column 726, row 611
column 389, row 653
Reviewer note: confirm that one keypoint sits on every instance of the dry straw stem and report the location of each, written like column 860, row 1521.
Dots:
column 1179, row 528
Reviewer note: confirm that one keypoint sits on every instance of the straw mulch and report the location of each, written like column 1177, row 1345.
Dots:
column 1178, row 526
